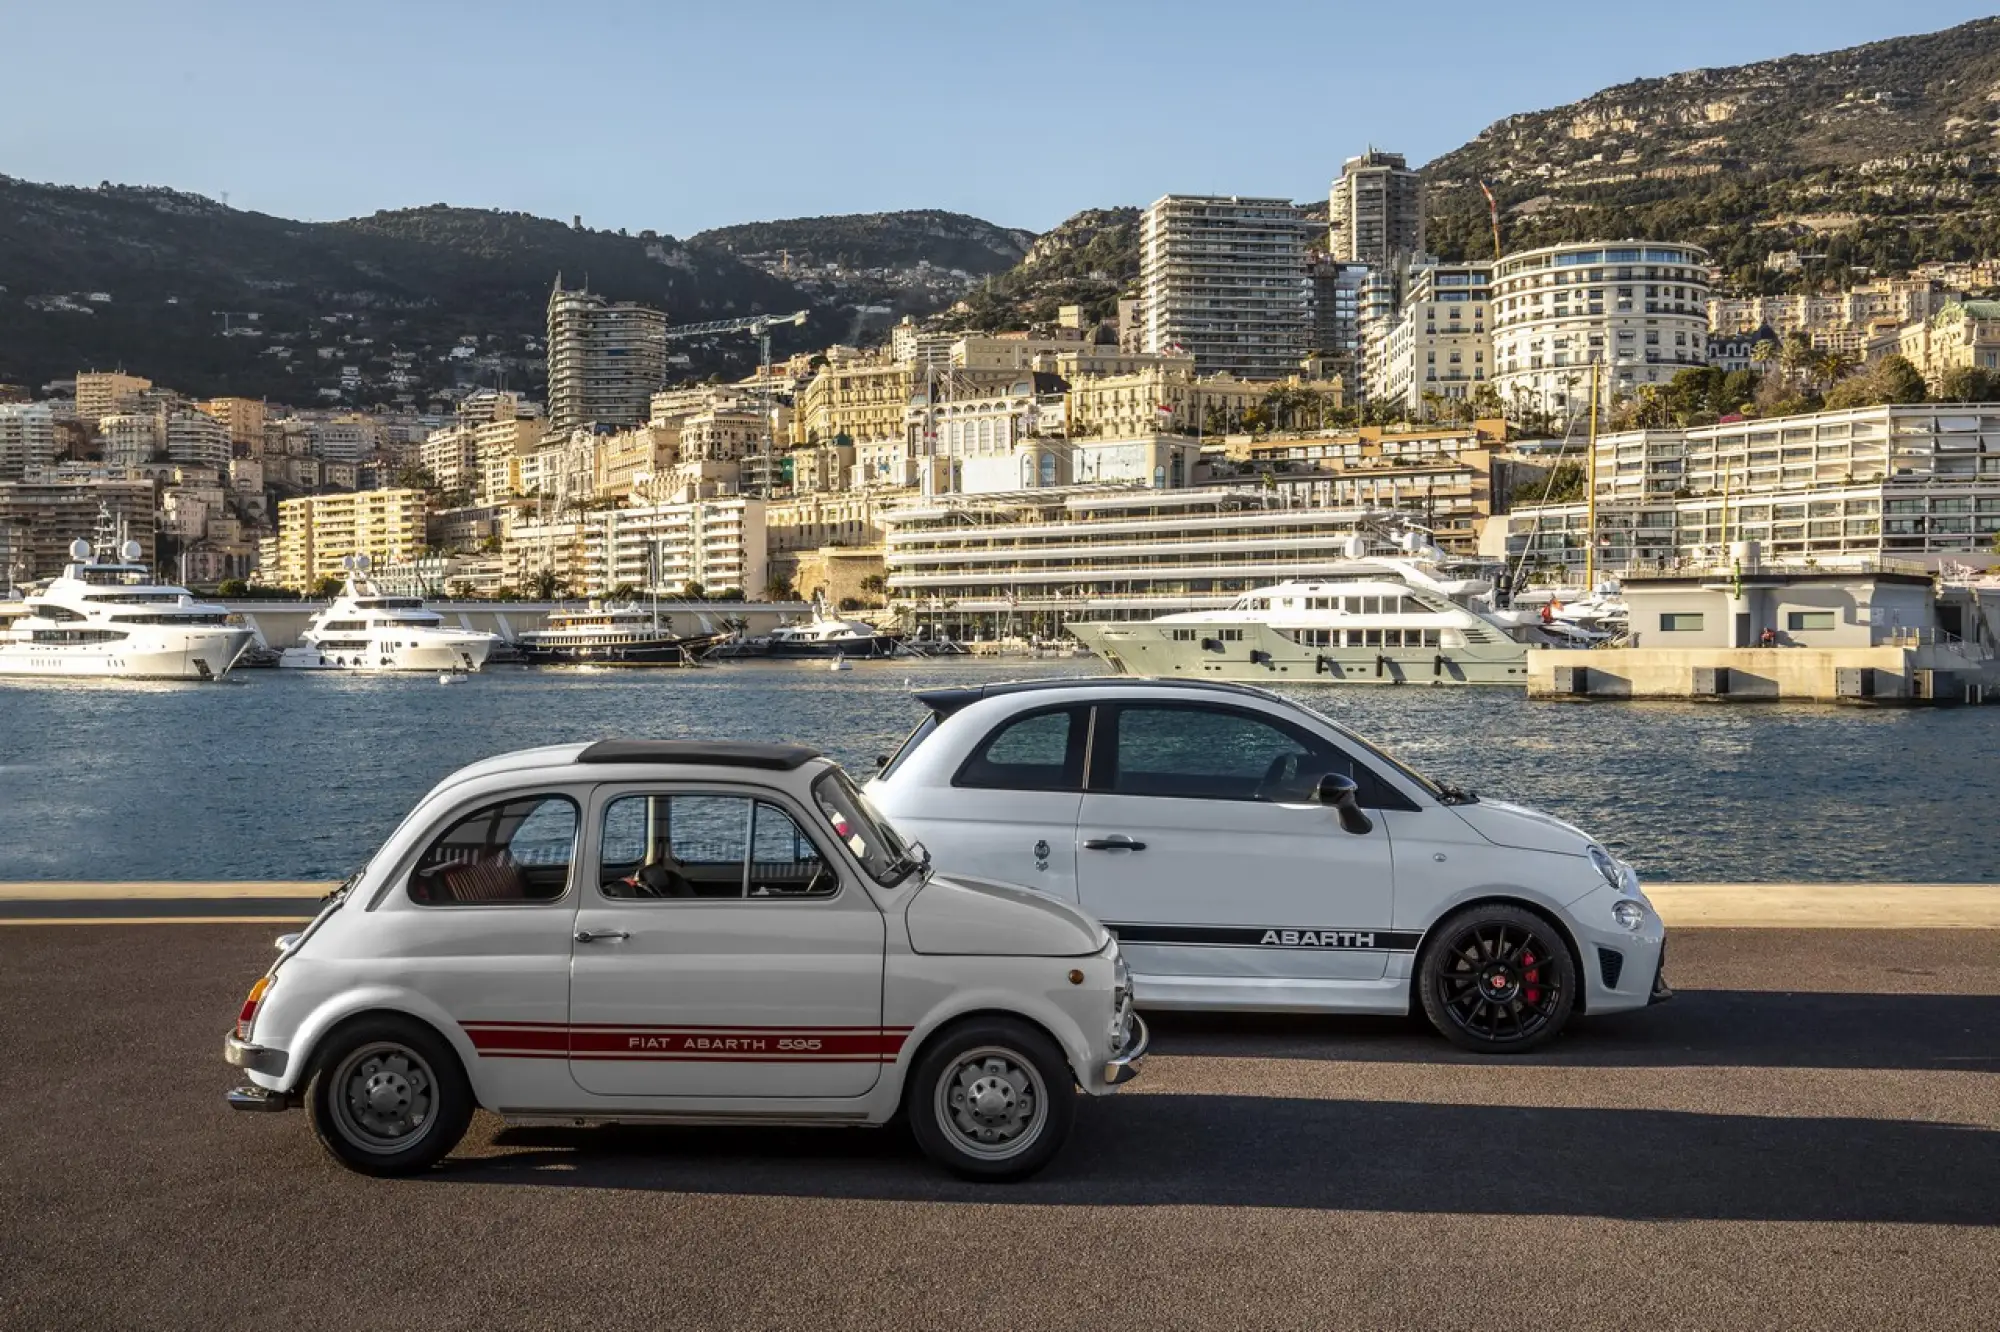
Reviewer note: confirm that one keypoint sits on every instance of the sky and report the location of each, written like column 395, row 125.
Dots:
column 678, row 116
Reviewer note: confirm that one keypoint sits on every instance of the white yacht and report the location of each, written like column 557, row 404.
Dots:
column 1375, row 620
column 365, row 630
column 109, row 618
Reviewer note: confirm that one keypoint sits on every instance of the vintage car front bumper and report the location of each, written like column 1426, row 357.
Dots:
column 255, row 1058
column 1124, row 1066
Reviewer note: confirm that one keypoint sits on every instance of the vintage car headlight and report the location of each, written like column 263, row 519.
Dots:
column 1606, row 866
column 1629, row 914
column 1121, row 982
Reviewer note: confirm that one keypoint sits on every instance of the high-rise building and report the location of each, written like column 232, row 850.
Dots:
column 1375, row 211
column 317, row 532
column 1223, row 279
column 38, row 520
column 244, row 419
column 1638, row 309
column 27, row 438
column 1440, row 345
column 103, row 392
column 605, row 360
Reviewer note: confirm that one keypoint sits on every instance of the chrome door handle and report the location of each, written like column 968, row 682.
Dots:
column 1115, row 842
column 600, row 936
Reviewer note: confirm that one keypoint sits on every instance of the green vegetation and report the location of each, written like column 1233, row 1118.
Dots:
column 1090, row 260
column 880, row 240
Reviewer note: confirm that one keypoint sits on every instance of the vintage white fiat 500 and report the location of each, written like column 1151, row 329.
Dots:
column 675, row 931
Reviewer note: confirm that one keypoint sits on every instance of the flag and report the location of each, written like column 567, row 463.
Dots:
column 1166, row 410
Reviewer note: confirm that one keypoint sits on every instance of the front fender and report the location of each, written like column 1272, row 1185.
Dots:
column 935, row 992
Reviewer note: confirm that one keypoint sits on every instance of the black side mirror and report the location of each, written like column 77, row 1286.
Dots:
column 1339, row 790
column 881, row 762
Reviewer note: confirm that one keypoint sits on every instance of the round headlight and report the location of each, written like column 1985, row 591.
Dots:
column 1629, row 915
column 1606, row 866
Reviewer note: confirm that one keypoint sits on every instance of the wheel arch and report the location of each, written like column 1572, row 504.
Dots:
column 946, row 1025
column 317, row 1032
column 1500, row 897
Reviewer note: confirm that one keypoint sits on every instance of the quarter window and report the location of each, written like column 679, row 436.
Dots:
column 707, row 846
column 1042, row 751
column 515, row 851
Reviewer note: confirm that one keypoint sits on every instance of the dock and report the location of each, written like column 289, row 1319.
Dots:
column 1925, row 674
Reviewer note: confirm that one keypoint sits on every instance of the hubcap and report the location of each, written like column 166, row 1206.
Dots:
column 1497, row 982
column 991, row 1103
column 382, row 1097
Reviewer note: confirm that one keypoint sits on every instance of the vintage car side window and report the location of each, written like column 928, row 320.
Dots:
column 707, row 846
column 1207, row 753
column 1042, row 751
column 516, row 850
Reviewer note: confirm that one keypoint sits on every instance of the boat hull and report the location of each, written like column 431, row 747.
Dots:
column 641, row 652
column 203, row 657
column 1265, row 656
column 880, row 645
column 468, row 655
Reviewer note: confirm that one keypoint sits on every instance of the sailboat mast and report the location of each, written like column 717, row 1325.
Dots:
column 1590, row 494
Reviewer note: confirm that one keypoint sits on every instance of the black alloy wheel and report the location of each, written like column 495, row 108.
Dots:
column 1498, row 980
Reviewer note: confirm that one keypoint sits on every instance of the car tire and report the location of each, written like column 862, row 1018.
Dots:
column 991, row 1099
column 388, row 1096
column 1497, row 979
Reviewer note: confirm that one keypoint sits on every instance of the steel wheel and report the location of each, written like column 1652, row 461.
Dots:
column 1498, row 979
column 382, row 1096
column 992, row 1103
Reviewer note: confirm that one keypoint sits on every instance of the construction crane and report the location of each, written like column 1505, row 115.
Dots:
column 758, row 327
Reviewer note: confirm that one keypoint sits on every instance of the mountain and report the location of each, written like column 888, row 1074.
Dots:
column 925, row 238
column 1090, row 260
column 1881, row 155
column 209, row 299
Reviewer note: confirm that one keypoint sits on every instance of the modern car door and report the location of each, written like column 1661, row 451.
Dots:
column 1203, row 845
column 1010, row 812
column 718, row 952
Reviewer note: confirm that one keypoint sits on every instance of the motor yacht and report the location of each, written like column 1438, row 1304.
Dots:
column 822, row 636
column 111, row 618
column 608, row 634
column 364, row 629
column 1375, row 620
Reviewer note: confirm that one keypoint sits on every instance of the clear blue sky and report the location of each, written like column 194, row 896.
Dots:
column 680, row 116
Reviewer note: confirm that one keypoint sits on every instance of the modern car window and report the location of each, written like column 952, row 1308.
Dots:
column 854, row 821
column 513, row 851
column 1042, row 751
column 1197, row 752
column 910, row 743
column 707, row 846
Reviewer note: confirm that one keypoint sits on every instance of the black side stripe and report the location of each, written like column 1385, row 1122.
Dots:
column 1273, row 936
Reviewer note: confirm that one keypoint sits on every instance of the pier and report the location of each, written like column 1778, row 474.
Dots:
column 279, row 623
column 1924, row 675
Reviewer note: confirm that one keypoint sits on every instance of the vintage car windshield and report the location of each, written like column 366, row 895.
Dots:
column 874, row 843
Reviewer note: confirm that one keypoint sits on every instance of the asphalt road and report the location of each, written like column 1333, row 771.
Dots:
column 1809, row 1136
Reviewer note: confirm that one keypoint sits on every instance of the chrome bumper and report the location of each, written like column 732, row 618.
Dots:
column 1124, row 1066
column 256, row 1058
column 257, row 1099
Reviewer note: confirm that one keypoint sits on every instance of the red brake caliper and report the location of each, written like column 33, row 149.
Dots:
column 1530, row 991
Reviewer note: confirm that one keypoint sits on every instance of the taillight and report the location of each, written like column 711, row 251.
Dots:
column 249, row 1013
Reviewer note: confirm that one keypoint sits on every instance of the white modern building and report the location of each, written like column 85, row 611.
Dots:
column 1224, row 279
column 1918, row 483
column 606, row 359
column 1441, row 341
column 709, row 544
column 1638, row 309
column 196, row 439
column 27, row 438
column 1375, row 211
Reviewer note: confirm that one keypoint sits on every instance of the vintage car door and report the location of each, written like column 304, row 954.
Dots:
column 722, row 949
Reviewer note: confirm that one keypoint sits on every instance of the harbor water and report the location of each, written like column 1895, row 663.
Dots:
column 299, row 775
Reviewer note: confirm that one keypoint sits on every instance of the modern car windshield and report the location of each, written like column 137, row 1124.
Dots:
column 1438, row 791
column 874, row 843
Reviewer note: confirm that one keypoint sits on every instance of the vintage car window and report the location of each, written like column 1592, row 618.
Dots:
column 707, row 846
column 512, row 851
column 854, row 821
column 1208, row 753
column 1042, row 751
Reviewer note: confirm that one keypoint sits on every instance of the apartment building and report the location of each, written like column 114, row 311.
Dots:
column 629, row 461
column 1223, row 279
column 913, row 346
column 243, row 418
column 1375, row 211
column 562, row 469
column 196, row 439
column 986, row 565
column 606, row 359
column 39, row 519
column 27, row 438
column 1917, row 482
column 1165, row 396
column 706, row 545
column 1836, row 321
column 1638, row 309
column 1440, row 344
column 855, row 399
column 101, row 393
column 344, row 439
column 130, row 439
column 317, row 532
column 808, row 522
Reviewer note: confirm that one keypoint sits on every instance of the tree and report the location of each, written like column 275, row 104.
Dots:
column 415, row 478
column 232, row 587
column 1967, row 383
column 779, row 588
column 692, row 591
column 328, row 587
column 728, row 594
column 850, row 603
column 547, row 585
column 1562, row 484
column 875, row 583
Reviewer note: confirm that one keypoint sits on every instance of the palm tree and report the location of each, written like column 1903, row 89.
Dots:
column 1831, row 366
column 547, row 585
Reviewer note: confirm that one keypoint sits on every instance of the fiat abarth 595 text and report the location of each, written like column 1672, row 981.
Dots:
column 1250, row 853
column 674, row 931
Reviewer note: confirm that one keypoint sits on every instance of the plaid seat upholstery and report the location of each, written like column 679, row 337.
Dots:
column 492, row 878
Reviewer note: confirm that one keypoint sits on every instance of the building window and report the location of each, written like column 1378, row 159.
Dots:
column 1680, row 622
column 1809, row 621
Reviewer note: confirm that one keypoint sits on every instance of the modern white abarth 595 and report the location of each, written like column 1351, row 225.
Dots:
column 1251, row 854
column 676, row 931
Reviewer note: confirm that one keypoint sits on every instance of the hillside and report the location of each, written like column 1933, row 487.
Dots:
column 858, row 242
column 212, row 299
column 1880, row 155
column 1090, row 259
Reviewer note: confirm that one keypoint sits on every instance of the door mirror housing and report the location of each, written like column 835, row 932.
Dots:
column 1341, row 791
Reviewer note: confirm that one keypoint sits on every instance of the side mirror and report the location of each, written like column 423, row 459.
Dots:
column 881, row 762
column 1339, row 790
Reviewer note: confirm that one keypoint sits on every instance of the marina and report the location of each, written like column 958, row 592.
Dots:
column 297, row 775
